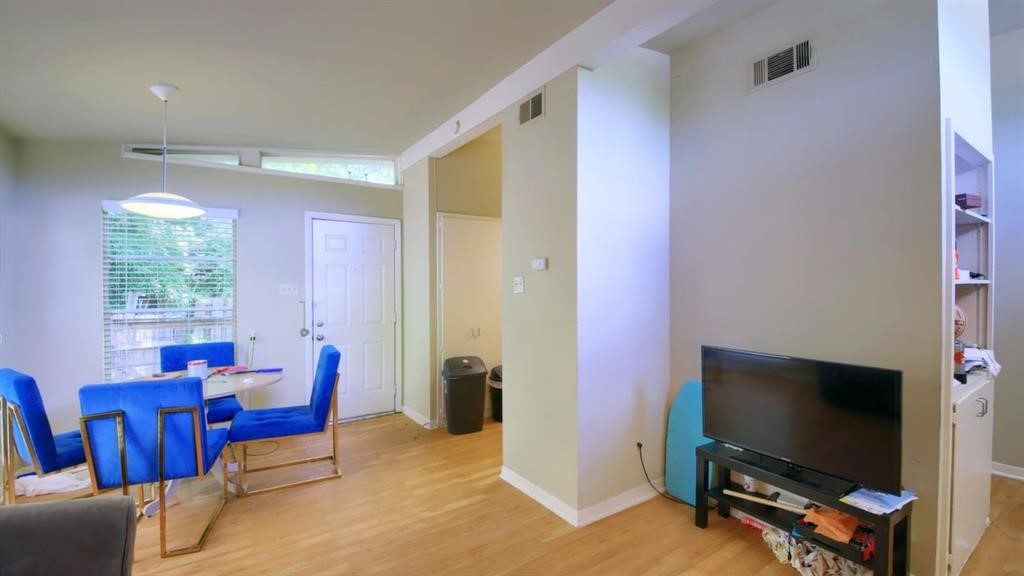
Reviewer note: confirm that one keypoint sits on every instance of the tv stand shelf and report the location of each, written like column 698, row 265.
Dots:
column 891, row 530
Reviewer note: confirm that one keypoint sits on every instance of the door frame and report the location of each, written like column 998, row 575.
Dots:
column 307, row 304
column 439, row 300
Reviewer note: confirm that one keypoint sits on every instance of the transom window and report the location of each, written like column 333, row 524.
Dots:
column 164, row 282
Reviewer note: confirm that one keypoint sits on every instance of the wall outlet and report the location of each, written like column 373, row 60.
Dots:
column 539, row 264
column 518, row 285
column 288, row 289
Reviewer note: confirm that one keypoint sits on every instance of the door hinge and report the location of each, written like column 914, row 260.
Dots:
column 954, row 416
column 949, row 563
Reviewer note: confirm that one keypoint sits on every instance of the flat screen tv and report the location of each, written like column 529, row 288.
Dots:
column 837, row 419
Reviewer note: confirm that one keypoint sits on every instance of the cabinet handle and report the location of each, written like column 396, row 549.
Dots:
column 984, row 406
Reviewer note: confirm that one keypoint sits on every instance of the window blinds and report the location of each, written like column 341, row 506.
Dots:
column 164, row 282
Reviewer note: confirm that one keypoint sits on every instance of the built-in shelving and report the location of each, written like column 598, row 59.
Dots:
column 970, row 217
column 973, row 282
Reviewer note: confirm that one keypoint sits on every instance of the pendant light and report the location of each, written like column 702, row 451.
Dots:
column 163, row 204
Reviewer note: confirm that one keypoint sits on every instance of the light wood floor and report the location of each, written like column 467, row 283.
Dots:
column 414, row 501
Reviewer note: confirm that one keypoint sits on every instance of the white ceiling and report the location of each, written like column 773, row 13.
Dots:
column 367, row 77
column 706, row 22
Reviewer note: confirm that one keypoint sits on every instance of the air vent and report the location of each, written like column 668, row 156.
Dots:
column 531, row 108
column 782, row 64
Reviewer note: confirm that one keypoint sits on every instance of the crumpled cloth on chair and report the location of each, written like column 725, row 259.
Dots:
column 32, row 485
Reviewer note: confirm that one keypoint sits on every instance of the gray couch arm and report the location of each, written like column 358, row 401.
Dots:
column 87, row 536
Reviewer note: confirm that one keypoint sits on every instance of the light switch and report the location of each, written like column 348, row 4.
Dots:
column 539, row 264
column 518, row 285
column 288, row 289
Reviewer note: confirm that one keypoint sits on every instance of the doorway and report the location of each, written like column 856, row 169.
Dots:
column 469, row 290
column 352, row 301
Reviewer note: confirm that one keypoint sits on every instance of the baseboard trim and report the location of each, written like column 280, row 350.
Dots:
column 541, row 496
column 590, row 514
column 417, row 417
column 615, row 504
column 1008, row 471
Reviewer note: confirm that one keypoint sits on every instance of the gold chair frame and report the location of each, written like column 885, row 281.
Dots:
column 161, row 483
column 10, row 415
column 243, row 464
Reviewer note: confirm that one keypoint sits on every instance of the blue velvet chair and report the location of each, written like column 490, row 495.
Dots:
column 145, row 432
column 176, row 357
column 27, row 431
column 275, row 423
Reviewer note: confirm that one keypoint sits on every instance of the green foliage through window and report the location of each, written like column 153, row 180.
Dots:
column 165, row 282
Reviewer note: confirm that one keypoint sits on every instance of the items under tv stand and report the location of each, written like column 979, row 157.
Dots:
column 892, row 531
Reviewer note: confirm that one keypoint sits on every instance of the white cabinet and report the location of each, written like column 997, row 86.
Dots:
column 469, row 288
column 972, row 466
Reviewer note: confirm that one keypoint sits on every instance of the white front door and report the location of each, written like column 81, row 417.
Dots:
column 354, row 309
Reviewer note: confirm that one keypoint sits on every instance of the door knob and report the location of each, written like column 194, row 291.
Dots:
column 319, row 337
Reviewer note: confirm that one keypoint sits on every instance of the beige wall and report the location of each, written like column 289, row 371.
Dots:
column 55, row 329
column 418, row 272
column 469, row 179
column 1008, row 126
column 806, row 216
column 622, row 272
column 7, row 179
column 538, row 207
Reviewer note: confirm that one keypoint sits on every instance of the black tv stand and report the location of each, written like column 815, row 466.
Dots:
column 892, row 531
column 836, row 487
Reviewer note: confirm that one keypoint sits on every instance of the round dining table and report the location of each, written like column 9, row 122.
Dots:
column 220, row 385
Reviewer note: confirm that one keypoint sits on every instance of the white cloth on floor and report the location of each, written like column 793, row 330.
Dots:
column 32, row 485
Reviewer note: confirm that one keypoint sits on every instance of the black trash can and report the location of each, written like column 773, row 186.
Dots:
column 464, row 388
column 495, row 381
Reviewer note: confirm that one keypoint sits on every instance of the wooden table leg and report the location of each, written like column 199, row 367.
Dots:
column 883, row 550
column 701, row 515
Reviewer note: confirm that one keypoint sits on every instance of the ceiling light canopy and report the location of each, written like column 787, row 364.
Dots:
column 163, row 204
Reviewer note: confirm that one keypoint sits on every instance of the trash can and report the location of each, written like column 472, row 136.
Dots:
column 495, row 386
column 464, row 389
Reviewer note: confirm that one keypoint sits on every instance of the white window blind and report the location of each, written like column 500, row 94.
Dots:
column 164, row 282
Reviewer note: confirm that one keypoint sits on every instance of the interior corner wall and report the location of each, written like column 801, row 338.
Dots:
column 1008, row 128
column 806, row 216
column 622, row 272
column 55, row 329
column 7, row 183
column 539, row 349
column 469, row 178
column 419, row 351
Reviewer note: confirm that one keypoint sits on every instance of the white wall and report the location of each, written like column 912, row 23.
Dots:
column 469, row 179
column 418, row 272
column 622, row 262
column 55, row 327
column 1008, row 127
column 964, row 71
column 806, row 216
column 7, row 179
column 538, row 207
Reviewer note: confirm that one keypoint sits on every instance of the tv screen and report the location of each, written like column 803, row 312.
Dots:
column 837, row 419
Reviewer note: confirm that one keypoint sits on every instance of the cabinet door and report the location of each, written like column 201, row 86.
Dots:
column 972, row 473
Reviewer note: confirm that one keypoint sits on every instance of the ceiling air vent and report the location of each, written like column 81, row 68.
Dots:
column 531, row 108
column 782, row 64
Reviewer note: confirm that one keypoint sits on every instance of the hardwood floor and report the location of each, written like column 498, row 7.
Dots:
column 414, row 501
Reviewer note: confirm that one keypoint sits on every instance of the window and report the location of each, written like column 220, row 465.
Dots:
column 227, row 158
column 360, row 169
column 164, row 282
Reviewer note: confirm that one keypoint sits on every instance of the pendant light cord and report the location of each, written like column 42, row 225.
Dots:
column 164, row 155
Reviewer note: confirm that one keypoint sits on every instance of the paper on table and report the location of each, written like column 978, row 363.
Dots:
column 878, row 502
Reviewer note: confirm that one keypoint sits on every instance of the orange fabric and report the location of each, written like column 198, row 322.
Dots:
column 832, row 523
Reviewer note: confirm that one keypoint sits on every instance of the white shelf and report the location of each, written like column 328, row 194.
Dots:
column 973, row 282
column 969, row 217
